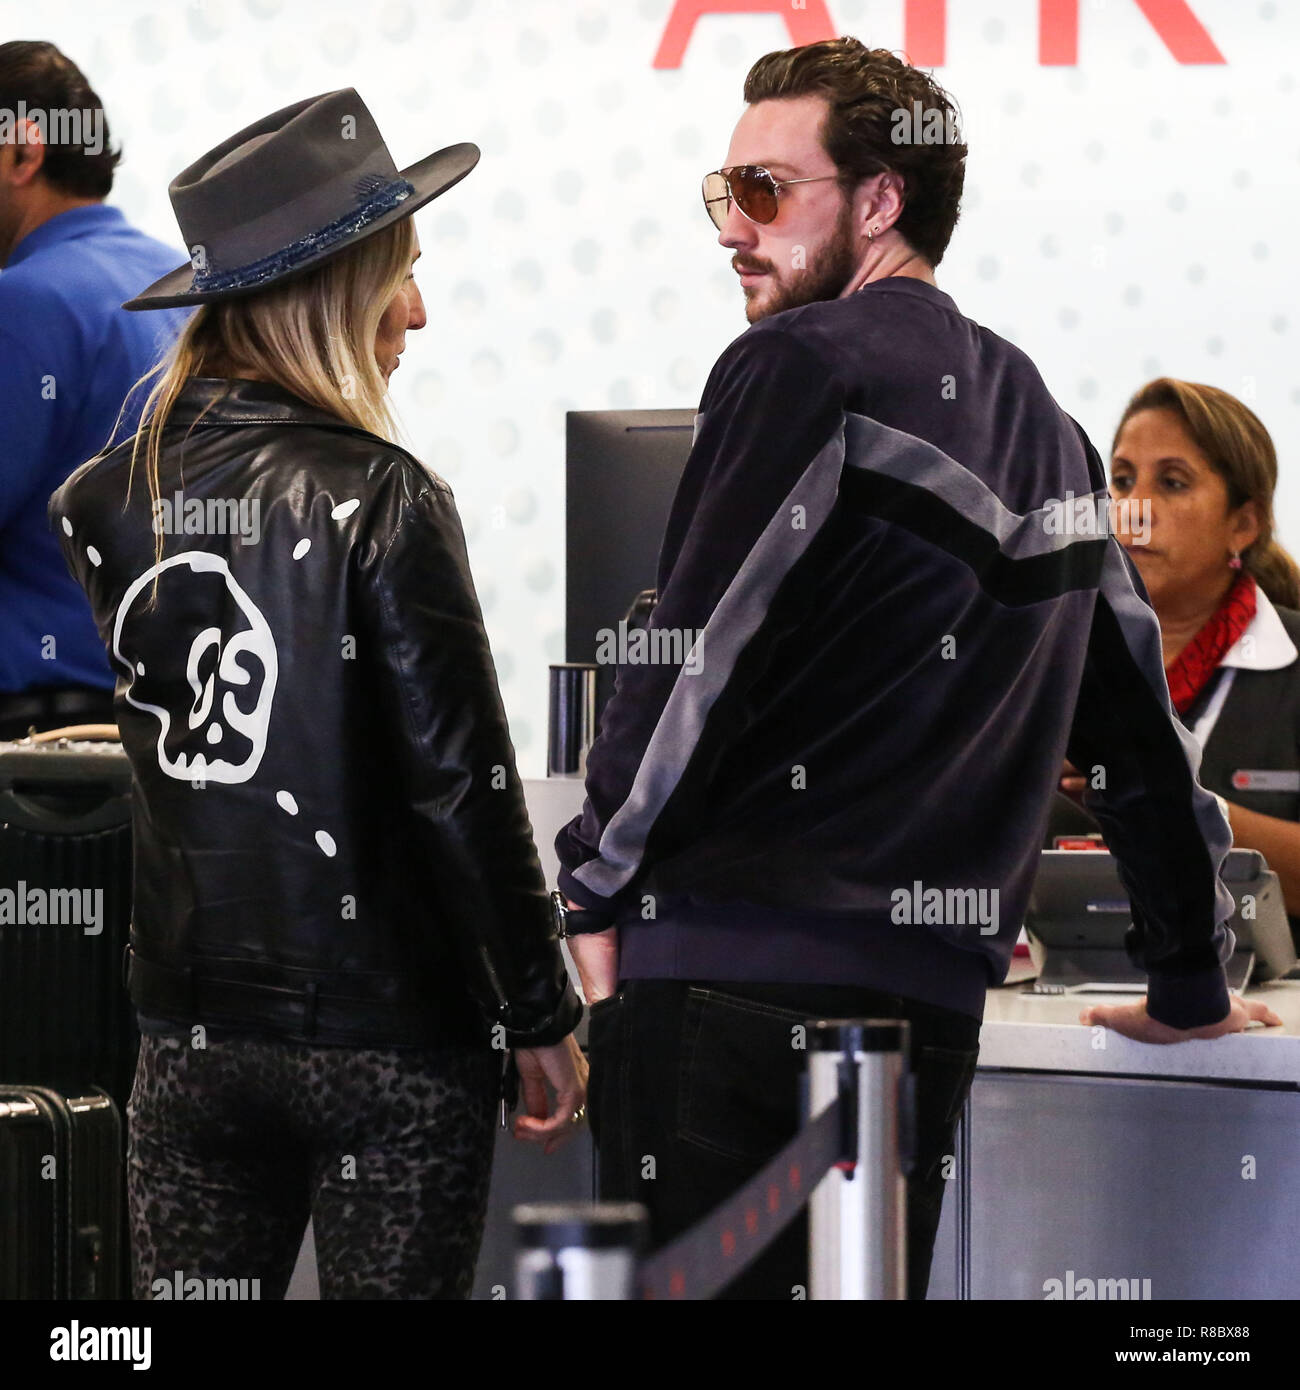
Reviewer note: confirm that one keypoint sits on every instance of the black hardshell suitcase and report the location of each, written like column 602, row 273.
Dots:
column 61, row 1186
column 66, row 1019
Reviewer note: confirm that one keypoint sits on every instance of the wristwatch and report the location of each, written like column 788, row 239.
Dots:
column 571, row 921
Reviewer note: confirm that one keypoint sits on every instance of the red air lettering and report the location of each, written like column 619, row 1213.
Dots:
column 810, row 23
column 1184, row 35
column 925, row 28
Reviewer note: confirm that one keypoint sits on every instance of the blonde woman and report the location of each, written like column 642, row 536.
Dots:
column 340, row 925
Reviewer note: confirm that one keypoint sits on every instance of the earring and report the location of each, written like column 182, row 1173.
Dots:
column 1235, row 562
column 870, row 233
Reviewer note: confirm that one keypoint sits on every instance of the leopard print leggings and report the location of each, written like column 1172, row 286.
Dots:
column 232, row 1147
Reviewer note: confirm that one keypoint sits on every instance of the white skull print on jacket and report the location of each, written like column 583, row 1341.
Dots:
column 229, row 677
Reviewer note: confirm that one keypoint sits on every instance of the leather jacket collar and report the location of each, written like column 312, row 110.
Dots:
column 234, row 401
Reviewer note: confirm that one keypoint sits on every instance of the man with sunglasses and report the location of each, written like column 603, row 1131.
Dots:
column 836, row 809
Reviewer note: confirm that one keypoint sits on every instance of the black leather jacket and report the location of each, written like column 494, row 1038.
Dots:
column 331, row 841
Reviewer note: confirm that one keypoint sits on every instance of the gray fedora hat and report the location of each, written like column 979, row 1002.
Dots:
column 288, row 192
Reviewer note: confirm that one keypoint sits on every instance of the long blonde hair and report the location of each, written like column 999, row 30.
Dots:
column 313, row 335
column 1233, row 438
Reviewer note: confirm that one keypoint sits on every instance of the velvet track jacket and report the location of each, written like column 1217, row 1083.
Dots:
column 885, row 620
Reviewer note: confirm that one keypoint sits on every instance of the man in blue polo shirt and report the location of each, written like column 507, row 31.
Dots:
column 69, row 356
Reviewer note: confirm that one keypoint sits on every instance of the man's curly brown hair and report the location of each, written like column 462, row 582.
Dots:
column 865, row 88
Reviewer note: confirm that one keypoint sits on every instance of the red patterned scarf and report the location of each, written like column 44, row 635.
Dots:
column 1200, row 658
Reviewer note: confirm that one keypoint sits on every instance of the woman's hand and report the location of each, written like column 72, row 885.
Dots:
column 565, row 1067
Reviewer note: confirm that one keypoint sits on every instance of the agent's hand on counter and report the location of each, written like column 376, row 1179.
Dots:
column 1133, row 1021
column 596, row 956
column 565, row 1067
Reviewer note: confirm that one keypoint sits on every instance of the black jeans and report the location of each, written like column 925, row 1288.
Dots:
column 694, row 1086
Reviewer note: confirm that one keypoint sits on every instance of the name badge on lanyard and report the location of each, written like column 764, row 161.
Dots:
column 1265, row 780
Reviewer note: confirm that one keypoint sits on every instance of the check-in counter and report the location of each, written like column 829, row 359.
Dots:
column 1085, row 1157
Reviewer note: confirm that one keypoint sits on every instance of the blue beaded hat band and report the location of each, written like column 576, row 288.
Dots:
column 288, row 192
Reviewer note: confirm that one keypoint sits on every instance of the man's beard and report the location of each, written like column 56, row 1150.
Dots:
column 825, row 278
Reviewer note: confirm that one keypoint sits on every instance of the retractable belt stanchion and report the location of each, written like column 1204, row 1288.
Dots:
column 578, row 1250
column 847, row 1164
column 857, row 1229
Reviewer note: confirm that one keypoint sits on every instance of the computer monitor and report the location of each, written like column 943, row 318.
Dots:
column 622, row 471
column 1079, row 912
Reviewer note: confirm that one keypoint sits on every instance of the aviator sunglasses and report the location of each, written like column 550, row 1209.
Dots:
column 755, row 190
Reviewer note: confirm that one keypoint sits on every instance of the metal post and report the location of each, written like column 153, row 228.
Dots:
column 858, row 1212
column 572, row 718
column 578, row 1250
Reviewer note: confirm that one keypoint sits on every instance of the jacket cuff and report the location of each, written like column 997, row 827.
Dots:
column 582, row 895
column 1188, row 1001
column 561, row 1023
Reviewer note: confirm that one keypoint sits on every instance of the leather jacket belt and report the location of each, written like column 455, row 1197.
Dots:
column 216, row 997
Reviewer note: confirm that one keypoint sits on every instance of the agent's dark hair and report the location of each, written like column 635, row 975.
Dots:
column 1240, row 450
column 44, row 79
column 867, row 89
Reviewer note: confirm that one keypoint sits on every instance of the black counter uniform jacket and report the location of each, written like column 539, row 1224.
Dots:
column 1258, row 729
